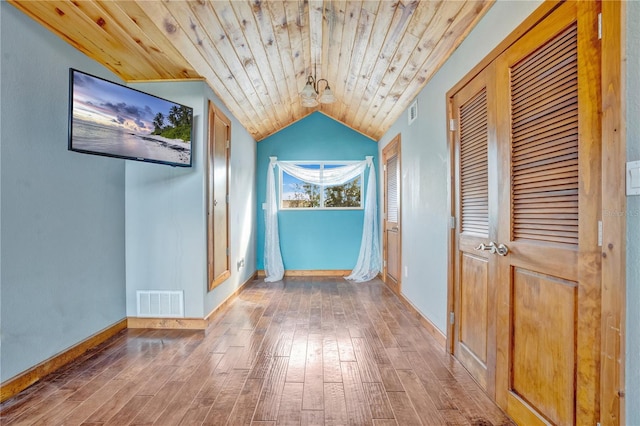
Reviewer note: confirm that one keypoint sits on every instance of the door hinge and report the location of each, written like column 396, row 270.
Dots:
column 452, row 124
column 227, row 198
column 384, row 167
column 384, row 263
column 227, row 251
column 452, row 222
column 599, row 233
column 599, row 26
column 452, row 318
column 228, row 144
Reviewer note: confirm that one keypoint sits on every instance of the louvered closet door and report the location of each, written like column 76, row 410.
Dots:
column 549, row 295
column 392, row 236
column 474, row 294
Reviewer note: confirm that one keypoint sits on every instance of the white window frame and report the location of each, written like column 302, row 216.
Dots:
column 322, row 187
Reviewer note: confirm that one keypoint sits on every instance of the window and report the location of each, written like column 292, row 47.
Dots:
column 298, row 194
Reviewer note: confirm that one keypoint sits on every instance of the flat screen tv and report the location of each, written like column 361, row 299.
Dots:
column 110, row 119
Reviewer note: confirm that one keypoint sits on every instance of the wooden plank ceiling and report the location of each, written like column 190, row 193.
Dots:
column 256, row 55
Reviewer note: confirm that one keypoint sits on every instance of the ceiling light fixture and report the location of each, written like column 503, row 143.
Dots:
column 311, row 96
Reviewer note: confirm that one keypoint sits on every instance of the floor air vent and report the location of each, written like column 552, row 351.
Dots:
column 160, row 304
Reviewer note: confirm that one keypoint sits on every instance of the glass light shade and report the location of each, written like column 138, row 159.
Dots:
column 308, row 92
column 309, row 102
column 327, row 97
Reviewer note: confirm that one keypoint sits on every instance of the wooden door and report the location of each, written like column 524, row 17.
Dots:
column 475, row 206
column 549, row 280
column 392, row 235
column 218, row 263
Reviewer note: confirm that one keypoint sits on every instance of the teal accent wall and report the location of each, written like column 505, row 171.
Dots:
column 315, row 239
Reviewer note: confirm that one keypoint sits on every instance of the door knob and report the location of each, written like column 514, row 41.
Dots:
column 502, row 250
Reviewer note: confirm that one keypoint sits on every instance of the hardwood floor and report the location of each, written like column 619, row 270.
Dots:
column 305, row 351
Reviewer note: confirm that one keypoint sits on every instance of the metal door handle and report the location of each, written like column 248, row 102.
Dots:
column 395, row 228
column 491, row 248
column 502, row 250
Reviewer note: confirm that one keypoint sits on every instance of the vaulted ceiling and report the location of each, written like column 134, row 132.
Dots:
column 256, row 55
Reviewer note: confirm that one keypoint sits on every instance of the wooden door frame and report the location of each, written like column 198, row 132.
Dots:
column 613, row 268
column 393, row 147
column 214, row 115
column 614, row 157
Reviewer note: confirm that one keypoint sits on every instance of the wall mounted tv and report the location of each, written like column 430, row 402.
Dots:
column 110, row 119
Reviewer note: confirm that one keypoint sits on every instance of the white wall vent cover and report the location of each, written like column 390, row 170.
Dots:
column 412, row 112
column 160, row 304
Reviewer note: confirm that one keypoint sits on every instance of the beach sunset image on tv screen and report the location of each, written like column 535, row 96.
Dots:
column 114, row 120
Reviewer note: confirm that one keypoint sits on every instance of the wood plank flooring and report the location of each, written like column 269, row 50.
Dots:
column 305, row 351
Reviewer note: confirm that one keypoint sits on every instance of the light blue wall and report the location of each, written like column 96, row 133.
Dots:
column 321, row 239
column 166, row 233
column 424, row 164
column 633, row 218
column 242, row 205
column 62, row 229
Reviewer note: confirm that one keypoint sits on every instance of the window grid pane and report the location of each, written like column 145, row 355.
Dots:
column 298, row 194
column 346, row 195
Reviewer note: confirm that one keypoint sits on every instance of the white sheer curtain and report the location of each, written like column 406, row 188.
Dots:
column 368, row 264
column 273, row 266
column 328, row 177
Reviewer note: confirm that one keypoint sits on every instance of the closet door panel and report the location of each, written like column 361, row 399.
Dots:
column 475, row 286
column 549, row 294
